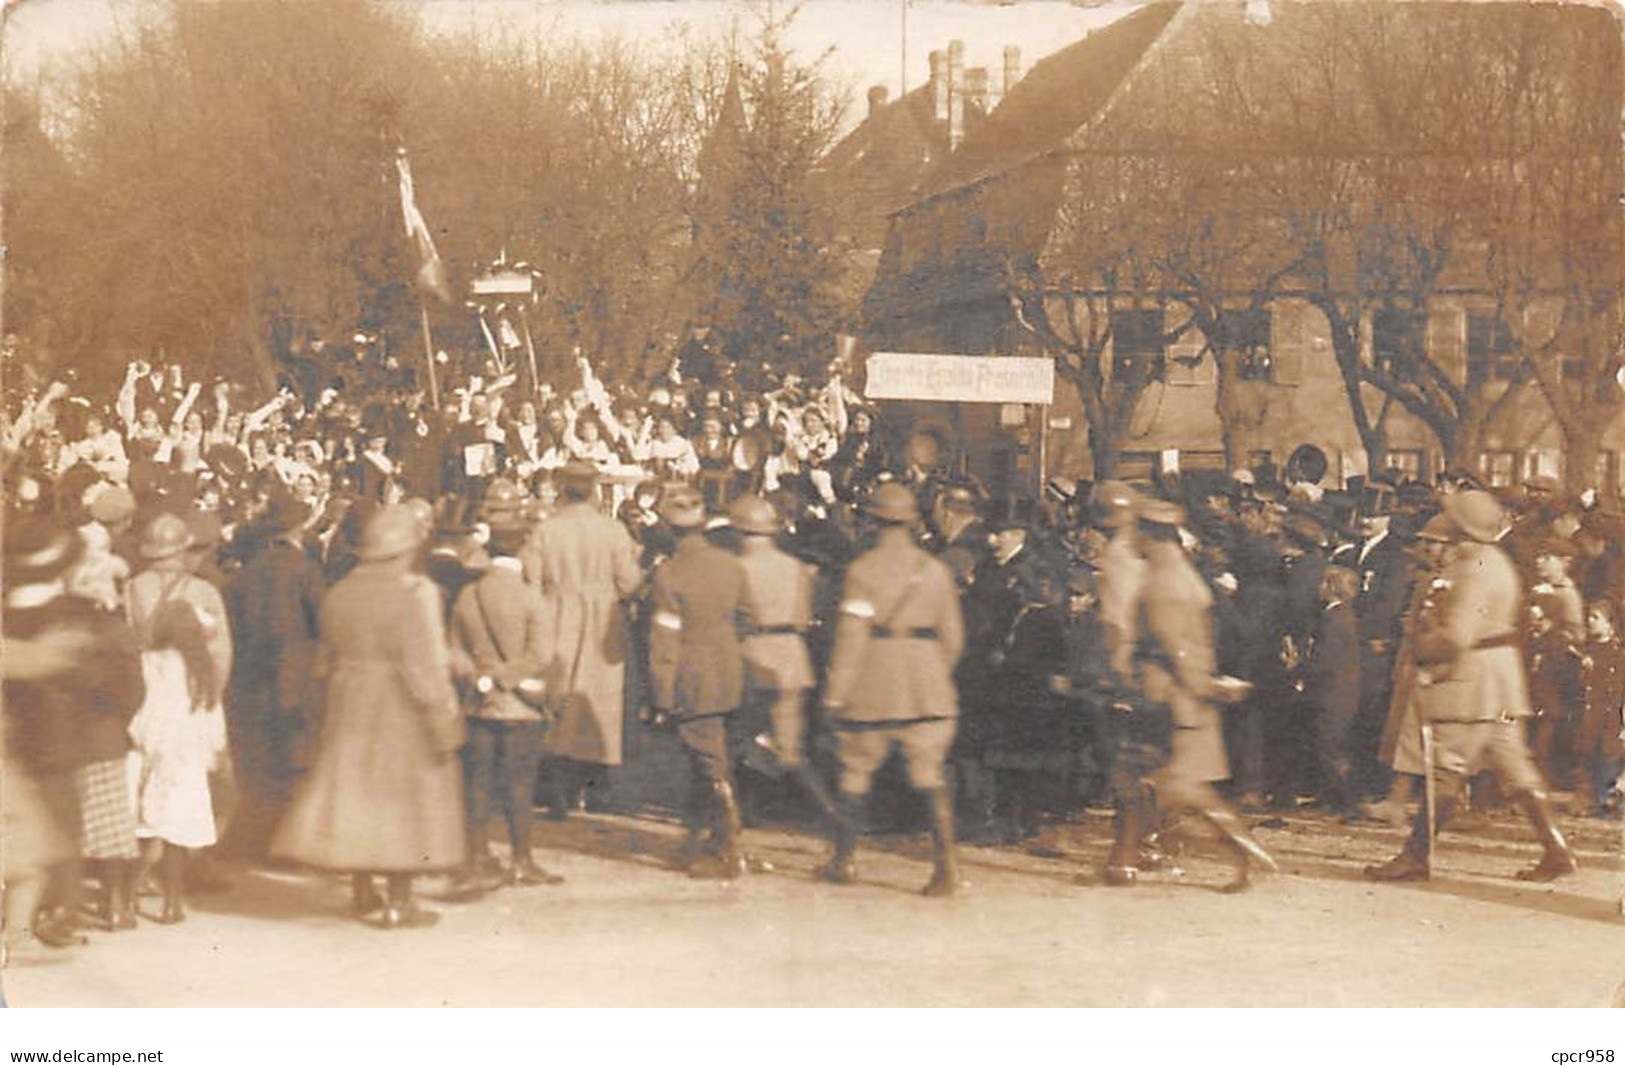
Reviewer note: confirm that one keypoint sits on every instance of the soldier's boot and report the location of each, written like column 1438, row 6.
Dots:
column 811, row 783
column 727, row 863
column 845, row 827
column 1249, row 852
column 1558, row 860
column 1412, row 862
column 1151, row 856
column 944, row 857
column 1122, row 863
column 699, row 820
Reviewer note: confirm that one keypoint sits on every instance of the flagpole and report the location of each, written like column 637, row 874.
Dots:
column 428, row 353
column 530, row 350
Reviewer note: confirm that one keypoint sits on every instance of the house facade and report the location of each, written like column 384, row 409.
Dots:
column 1074, row 201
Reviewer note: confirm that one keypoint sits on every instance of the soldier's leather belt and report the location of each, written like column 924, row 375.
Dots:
column 777, row 630
column 886, row 632
column 1505, row 639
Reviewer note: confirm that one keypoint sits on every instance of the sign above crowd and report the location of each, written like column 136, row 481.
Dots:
column 960, row 378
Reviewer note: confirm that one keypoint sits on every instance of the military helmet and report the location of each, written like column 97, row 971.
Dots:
column 894, row 504
column 753, row 514
column 1114, row 503
column 166, row 536
column 393, row 531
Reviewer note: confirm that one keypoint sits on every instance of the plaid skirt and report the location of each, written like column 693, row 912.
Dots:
column 106, row 813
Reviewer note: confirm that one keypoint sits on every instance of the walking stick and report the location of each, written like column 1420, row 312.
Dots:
column 1430, row 797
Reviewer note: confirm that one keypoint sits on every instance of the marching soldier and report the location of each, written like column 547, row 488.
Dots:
column 1474, row 692
column 891, row 679
column 697, row 672
column 778, row 669
column 1119, row 579
column 1177, row 669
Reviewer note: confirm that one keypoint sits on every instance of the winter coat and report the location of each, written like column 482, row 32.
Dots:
column 585, row 564
column 384, row 792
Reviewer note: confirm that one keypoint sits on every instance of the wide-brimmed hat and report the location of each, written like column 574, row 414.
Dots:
column 165, row 537
column 38, row 550
column 682, row 507
column 894, row 504
column 113, row 504
column 1478, row 514
column 576, row 473
column 390, row 533
column 755, row 515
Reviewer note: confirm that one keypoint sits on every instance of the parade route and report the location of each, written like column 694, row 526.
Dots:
column 625, row 930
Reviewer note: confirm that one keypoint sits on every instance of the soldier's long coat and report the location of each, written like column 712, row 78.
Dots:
column 1177, row 628
column 384, row 792
column 585, row 563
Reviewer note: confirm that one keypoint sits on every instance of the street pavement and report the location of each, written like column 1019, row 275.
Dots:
column 625, row 929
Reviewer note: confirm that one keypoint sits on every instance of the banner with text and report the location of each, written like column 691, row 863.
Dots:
column 960, row 378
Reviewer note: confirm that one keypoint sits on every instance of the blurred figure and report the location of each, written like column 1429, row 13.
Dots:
column 384, row 791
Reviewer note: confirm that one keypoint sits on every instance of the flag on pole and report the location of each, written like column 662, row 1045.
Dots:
column 431, row 271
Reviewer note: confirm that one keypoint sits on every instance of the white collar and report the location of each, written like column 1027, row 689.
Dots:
column 513, row 565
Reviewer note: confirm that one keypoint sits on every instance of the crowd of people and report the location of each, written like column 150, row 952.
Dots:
column 347, row 626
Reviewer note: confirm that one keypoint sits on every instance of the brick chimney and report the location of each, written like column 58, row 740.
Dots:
column 939, row 86
column 1012, row 68
column 956, row 93
column 878, row 94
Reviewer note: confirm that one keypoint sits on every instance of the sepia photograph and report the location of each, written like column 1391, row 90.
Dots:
column 849, row 503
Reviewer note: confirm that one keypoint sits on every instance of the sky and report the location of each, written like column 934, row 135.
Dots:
column 866, row 36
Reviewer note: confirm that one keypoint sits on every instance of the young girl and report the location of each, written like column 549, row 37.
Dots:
column 1602, row 752
column 179, row 735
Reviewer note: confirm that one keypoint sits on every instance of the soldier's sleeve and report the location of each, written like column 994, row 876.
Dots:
column 854, row 616
column 627, row 573
column 665, row 634
column 1453, row 632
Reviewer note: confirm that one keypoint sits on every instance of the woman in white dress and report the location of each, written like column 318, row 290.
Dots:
column 179, row 735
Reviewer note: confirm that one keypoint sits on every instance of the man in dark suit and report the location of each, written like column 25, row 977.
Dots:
column 1331, row 686
column 696, row 668
column 275, row 606
column 1385, row 592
